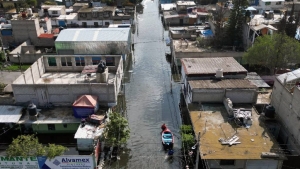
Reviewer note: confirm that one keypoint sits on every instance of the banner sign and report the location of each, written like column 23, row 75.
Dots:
column 59, row 162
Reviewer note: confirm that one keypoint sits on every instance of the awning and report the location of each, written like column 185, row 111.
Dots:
column 262, row 26
column 10, row 114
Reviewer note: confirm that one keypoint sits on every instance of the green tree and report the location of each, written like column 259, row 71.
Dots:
column 274, row 51
column 31, row 2
column 28, row 145
column 234, row 28
column 21, row 6
column 187, row 138
column 116, row 131
column 218, row 16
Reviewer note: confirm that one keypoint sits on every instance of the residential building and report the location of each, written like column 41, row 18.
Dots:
column 259, row 25
column 211, row 79
column 285, row 99
column 50, row 121
column 39, row 32
column 190, row 49
column 206, row 68
column 60, row 79
column 223, row 143
column 52, row 10
column 214, row 91
column 269, row 5
column 101, row 41
column 186, row 13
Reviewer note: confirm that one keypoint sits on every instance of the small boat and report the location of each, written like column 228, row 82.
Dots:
column 167, row 139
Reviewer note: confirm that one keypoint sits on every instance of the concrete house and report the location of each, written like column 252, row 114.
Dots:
column 31, row 28
column 190, row 49
column 260, row 25
column 52, row 10
column 214, row 91
column 66, row 78
column 50, row 121
column 224, row 144
column 106, row 41
column 285, row 99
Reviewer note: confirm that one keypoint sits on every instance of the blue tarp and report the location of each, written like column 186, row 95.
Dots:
column 207, row 33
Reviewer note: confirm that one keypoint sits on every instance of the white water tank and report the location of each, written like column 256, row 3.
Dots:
column 29, row 11
column 219, row 73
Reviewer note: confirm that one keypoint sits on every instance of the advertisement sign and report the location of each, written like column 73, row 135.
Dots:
column 67, row 162
column 19, row 163
column 59, row 162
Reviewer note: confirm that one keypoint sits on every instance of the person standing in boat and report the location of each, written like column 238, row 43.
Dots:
column 163, row 127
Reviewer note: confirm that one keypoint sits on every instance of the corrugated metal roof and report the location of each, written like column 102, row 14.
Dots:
column 10, row 114
column 89, row 131
column 94, row 34
column 254, row 78
column 290, row 76
column 221, row 84
column 211, row 65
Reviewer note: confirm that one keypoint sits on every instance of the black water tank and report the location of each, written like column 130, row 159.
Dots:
column 32, row 109
column 91, row 4
column 101, row 67
column 270, row 111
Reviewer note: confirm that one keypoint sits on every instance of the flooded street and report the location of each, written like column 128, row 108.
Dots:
column 150, row 100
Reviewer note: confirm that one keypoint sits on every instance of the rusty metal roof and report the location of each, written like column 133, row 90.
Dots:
column 220, row 84
column 210, row 65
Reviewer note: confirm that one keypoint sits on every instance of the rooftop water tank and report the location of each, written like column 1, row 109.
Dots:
column 270, row 111
column 32, row 110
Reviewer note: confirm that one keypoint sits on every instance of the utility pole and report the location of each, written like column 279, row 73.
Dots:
column 197, row 158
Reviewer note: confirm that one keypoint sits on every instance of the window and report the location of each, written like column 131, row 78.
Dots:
column 84, row 24
column 110, row 61
column 79, row 61
column 96, row 60
column 100, row 14
column 83, row 15
column 66, row 61
column 106, row 23
column 51, row 126
column 267, row 3
column 54, row 12
column 106, row 14
column 96, row 24
column 52, row 61
column 94, row 14
column 278, row 3
column 226, row 162
column 65, row 125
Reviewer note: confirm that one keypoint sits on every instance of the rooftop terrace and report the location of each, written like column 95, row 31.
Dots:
column 213, row 123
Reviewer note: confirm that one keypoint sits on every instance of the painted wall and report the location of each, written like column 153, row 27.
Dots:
column 287, row 109
column 271, row 5
column 217, row 95
column 59, row 128
column 85, row 144
column 25, row 88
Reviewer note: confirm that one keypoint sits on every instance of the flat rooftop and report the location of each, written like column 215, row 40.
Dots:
column 52, row 116
column 94, row 34
column 187, row 46
column 211, row 65
column 89, row 131
column 86, row 8
column 213, row 123
column 10, row 114
column 221, row 84
column 70, row 78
